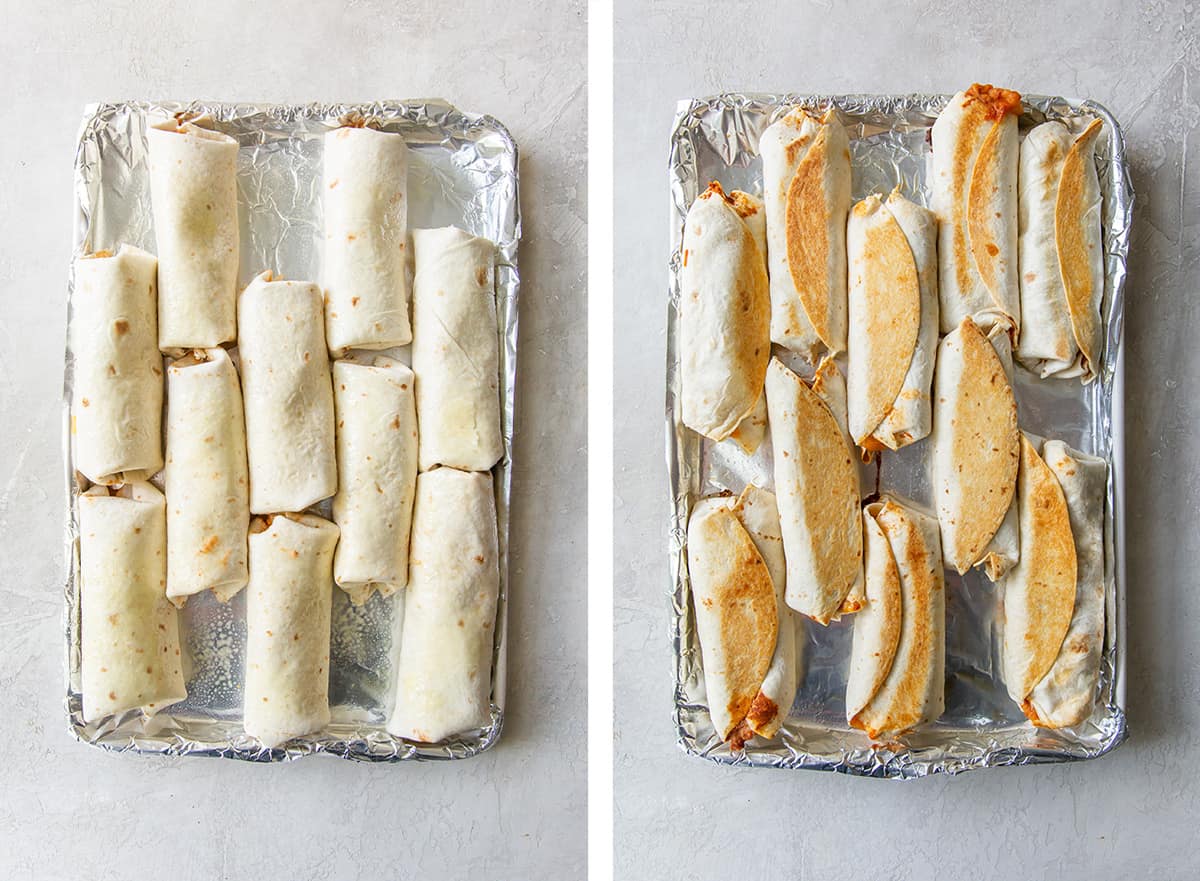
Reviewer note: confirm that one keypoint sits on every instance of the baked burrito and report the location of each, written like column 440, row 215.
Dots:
column 366, row 230
column 816, row 487
column 892, row 249
column 898, row 656
column 288, row 395
column 1054, row 596
column 193, row 191
column 456, row 350
column 129, row 632
column 288, row 610
column 1062, row 255
column 117, row 391
column 724, row 314
column 976, row 450
column 975, row 161
column 444, row 677
column 737, row 619
column 207, row 482
column 806, row 190
column 377, row 474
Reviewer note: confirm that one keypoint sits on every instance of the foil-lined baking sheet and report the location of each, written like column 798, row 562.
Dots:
column 717, row 139
column 462, row 171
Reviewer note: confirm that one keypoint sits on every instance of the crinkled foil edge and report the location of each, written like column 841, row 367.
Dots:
column 366, row 743
column 720, row 121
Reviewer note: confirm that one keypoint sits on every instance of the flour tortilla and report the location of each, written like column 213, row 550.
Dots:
column 117, row 390
column 724, row 315
column 193, row 190
column 288, row 395
column 759, row 516
column 129, row 632
column 377, row 474
column 892, row 248
column 206, row 477
column 365, row 190
column 806, row 184
column 976, row 450
column 1062, row 255
column 912, row 693
column 1066, row 695
column 445, row 668
column 817, row 491
column 456, row 350
column 975, row 167
column 288, row 610
column 737, row 619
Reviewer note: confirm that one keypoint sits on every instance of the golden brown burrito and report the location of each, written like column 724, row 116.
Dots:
column 724, row 314
column 975, row 161
column 816, row 487
column 1054, row 596
column 898, row 658
column 737, row 621
column 1062, row 255
column 806, row 191
column 975, row 450
column 892, row 248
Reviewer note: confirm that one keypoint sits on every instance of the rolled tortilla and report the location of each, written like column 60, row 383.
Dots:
column 129, row 632
column 288, row 395
column 1062, row 255
column 117, row 390
column 768, row 711
column 377, row 474
column 737, row 621
column 806, row 184
column 193, row 189
column 816, row 486
column 455, row 352
column 976, row 450
column 366, row 231
column 724, row 314
column 892, row 248
column 1039, row 592
column 898, row 659
column 1066, row 695
column 445, row 669
column 975, row 161
column 288, row 609
column 207, row 483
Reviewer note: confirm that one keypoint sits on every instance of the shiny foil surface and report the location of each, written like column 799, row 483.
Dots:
column 462, row 171
column 716, row 138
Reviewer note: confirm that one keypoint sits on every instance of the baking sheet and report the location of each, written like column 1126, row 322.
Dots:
column 716, row 138
column 462, row 171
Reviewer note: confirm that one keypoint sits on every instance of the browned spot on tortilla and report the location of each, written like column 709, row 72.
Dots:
column 85, row 402
column 1046, row 573
column 985, row 438
column 727, row 568
column 1073, row 261
column 121, row 326
column 985, row 183
column 396, row 422
column 906, row 706
column 807, row 234
column 210, row 544
column 893, row 293
column 354, row 301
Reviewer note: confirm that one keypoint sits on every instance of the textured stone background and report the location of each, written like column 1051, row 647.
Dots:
column 1131, row 814
column 517, row 812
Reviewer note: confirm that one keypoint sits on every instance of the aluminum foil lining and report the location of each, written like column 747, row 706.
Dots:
column 462, row 171
column 717, row 139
